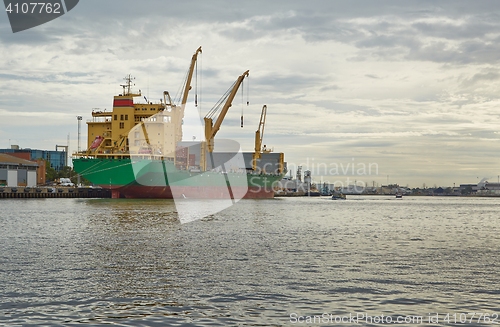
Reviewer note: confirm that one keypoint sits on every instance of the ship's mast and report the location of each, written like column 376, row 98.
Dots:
column 127, row 86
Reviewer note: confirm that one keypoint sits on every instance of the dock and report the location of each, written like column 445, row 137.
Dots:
column 52, row 192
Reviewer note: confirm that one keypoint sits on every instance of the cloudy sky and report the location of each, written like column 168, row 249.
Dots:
column 408, row 87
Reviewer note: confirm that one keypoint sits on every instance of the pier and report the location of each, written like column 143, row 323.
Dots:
column 52, row 192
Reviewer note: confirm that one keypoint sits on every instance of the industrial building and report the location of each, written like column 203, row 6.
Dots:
column 57, row 159
column 15, row 171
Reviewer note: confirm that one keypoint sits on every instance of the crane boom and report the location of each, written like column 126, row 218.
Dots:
column 260, row 131
column 210, row 128
column 259, row 135
column 187, row 87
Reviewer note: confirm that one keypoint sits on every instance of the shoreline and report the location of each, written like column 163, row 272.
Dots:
column 24, row 192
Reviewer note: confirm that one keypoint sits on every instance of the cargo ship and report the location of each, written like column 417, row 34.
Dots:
column 136, row 151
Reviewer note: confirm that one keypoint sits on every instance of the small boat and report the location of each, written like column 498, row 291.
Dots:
column 339, row 196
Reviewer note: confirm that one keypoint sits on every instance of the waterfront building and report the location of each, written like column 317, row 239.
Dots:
column 57, row 159
column 15, row 171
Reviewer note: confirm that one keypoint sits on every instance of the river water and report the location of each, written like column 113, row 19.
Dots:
column 276, row 262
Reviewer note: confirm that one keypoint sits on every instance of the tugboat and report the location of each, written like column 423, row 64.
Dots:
column 338, row 196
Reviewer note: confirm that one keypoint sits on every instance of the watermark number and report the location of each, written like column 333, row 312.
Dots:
column 34, row 7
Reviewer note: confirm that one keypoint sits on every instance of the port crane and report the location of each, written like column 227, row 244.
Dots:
column 168, row 103
column 187, row 86
column 259, row 135
column 212, row 128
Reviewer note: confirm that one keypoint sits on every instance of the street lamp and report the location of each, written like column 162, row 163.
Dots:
column 79, row 118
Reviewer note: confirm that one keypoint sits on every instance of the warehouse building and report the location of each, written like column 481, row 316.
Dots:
column 17, row 172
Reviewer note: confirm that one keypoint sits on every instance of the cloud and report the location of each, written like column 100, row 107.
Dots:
column 412, row 86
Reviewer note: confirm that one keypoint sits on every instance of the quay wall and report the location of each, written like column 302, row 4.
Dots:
column 53, row 192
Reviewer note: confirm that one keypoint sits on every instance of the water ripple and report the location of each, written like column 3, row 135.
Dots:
column 131, row 263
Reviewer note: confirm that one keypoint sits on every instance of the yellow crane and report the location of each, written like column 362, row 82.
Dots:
column 187, row 87
column 169, row 103
column 210, row 128
column 259, row 135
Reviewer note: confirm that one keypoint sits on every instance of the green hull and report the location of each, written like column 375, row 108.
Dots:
column 146, row 178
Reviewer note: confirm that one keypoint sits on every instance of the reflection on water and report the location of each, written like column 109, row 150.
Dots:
column 131, row 262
